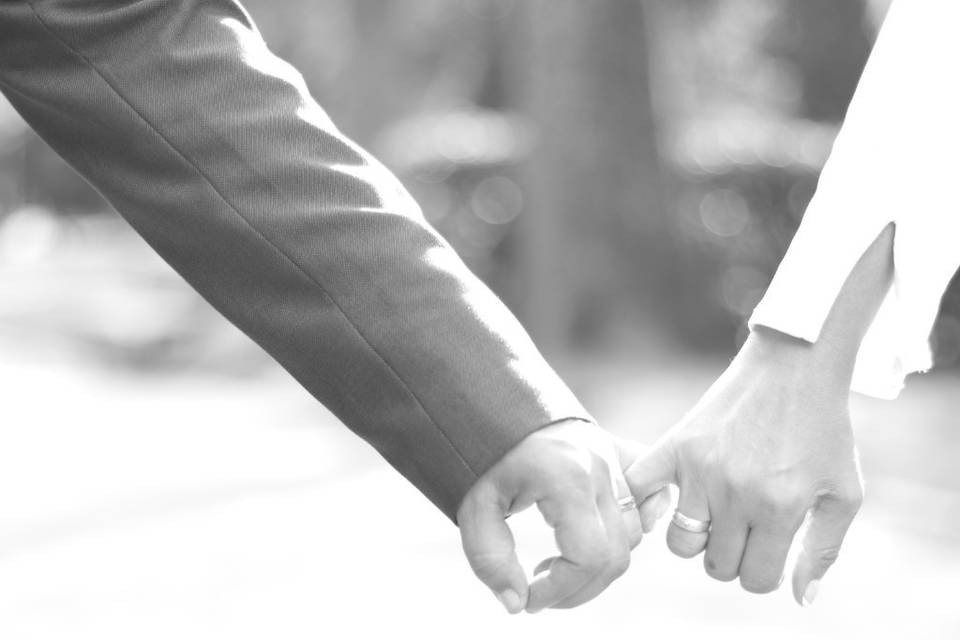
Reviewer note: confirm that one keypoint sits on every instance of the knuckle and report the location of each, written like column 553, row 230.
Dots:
column 570, row 482
column 717, row 571
column 779, row 496
column 824, row 558
column 778, row 499
column 847, row 496
column 559, row 464
column 766, row 490
column 486, row 566
column 593, row 559
column 699, row 447
column 792, row 498
column 683, row 546
column 738, row 479
column 600, row 470
column 695, row 458
column 481, row 492
column 852, row 496
column 569, row 470
column 465, row 511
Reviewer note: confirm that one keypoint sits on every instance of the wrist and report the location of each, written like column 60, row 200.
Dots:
column 828, row 363
column 775, row 356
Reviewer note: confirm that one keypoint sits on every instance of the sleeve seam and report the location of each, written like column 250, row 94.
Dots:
column 297, row 267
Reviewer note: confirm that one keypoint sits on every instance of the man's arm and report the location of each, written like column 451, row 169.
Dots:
column 213, row 150
column 211, row 147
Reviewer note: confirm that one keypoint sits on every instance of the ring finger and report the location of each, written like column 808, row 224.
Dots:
column 693, row 512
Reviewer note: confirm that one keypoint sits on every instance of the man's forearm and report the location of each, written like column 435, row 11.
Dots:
column 212, row 148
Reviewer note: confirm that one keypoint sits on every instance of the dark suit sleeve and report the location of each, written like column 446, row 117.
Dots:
column 212, row 148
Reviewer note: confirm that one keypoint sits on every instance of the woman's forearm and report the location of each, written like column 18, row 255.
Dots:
column 834, row 353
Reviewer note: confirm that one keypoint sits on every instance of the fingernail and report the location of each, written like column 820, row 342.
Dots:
column 810, row 593
column 542, row 567
column 510, row 600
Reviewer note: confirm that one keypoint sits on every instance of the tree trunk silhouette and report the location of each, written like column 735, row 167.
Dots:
column 593, row 242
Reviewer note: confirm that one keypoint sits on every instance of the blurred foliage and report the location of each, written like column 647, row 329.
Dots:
column 608, row 168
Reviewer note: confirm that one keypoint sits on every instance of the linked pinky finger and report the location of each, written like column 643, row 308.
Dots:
column 617, row 522
column 654, row 508
column 582, row 541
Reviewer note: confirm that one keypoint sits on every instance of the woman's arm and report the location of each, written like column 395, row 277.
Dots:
column 770, row 440
column 854, row 300
column 894, row 161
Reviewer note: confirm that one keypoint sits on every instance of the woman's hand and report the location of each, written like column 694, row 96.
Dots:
column 769, row 443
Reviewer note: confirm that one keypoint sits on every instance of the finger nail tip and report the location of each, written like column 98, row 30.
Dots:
column 810, row 593
column 511, row 601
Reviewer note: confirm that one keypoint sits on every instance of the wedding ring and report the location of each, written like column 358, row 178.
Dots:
column 627, row 504
column 690, row 524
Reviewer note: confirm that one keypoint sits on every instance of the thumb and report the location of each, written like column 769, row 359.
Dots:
column 490, row 549
column 829, row 522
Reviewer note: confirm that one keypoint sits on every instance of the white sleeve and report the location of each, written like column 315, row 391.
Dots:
column 896, row 159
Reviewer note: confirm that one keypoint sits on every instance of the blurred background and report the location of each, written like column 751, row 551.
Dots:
column 625, row 175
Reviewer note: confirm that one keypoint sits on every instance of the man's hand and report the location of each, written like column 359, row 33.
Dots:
column 768, row 443
column 572, row 472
